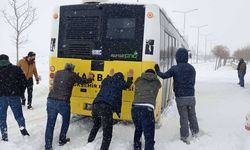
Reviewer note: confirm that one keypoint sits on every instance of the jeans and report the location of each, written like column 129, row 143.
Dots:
column 53, row 108
column 144, row 121
column 102, row 115
column 241, row 78
column 15, row 104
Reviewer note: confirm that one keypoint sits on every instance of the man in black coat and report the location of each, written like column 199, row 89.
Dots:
column 59, row 102
column 242, row 67
column 108, row 100
column 12, row 86
column 184, row 81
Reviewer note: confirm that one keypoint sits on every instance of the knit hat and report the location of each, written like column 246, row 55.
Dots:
column 69, row 67
column 30, row 54
column 150, row 71
column 4, row 60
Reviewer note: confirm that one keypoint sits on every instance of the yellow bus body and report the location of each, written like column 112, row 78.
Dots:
column 84, row 95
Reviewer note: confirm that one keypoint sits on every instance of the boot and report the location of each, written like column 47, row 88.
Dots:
column 5, row 137
column 63, row 141
column 185, row 140
column 24, row 132
column 29, row 106
column 23, row 102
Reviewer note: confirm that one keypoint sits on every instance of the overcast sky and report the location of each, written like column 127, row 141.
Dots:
column 228, row 23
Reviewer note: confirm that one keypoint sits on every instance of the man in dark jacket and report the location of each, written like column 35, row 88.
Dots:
column 108, row 100
column 184, row 81
column 12, row 86
column 146, row 90
column 241, row 72
column 59, row 102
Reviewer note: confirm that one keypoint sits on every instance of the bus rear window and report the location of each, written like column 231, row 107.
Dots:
column 121, row 28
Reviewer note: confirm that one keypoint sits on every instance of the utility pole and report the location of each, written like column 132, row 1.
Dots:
column 184, row 17
column 206, row 35
column 198, row 39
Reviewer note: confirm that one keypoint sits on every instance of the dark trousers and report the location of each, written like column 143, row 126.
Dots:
column 15, row 104
column 29, row 87
column 187, row 120
column 144, row 121
column 102, row 115
column 241, row 78
column 55, row 107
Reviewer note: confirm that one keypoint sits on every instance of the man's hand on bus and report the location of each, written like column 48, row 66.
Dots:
column 157, row 68
column 91, row 75
column 111, row 72
column 130, row 73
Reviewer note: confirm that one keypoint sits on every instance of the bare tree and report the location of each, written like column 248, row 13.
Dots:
column 20, row 17
column 222, row 53
column 242, row 53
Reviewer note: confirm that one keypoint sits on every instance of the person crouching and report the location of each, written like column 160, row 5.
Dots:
column 108, row 100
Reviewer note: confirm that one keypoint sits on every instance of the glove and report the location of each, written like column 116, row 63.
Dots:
column 157, row 68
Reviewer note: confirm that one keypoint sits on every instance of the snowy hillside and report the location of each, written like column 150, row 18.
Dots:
column 221, row 109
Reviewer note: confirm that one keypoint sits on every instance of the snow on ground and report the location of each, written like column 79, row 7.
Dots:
column 221, row 109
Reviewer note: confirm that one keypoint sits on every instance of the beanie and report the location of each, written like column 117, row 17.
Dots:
column 30, row 54
column 4, row 60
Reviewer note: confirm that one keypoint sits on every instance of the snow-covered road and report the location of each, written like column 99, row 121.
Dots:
column 221, row 109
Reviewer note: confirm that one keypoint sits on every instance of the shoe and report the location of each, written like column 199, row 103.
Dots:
column 64, row 141
column 29, row 107
column 185, row 140
column 195, row 135
column 23, row 102
column 5, row 139
column 24, row 132
column 137, row 146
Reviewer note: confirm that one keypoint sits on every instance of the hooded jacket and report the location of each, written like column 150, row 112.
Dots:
column 242, row 66
column 29, row 68
column 111, row 91
column 183, row 73
column 12, row 80
column 146, row 89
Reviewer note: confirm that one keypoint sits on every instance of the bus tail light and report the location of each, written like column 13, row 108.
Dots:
column 55, row 16
column 52, row 68
column 150, row 14
column 52, row 75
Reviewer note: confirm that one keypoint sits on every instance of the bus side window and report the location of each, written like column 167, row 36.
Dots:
column 150, row 47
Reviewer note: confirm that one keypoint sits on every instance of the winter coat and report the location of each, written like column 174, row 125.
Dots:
column 183, row 74
column 29, row 68
column 63, row 84
column 111, row 91
column 242, row 67
column 12, row 81
column 146, row 89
